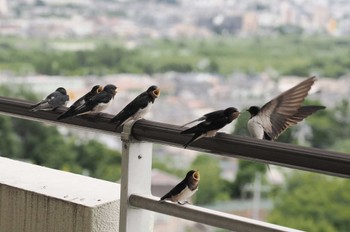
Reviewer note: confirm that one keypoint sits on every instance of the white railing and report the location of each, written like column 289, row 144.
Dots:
column 136, row 196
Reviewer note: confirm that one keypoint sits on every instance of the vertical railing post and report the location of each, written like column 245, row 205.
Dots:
column 135, row 179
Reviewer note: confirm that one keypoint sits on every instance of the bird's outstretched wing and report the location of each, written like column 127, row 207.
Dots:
column 274, row 115
column 302, row 113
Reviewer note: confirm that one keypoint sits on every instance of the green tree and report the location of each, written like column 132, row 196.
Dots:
column 247, row 171
column 304, row 55
column 9, row 142
column 313, row 202
column 330, row 126
column 211, row 186
column 99, row 160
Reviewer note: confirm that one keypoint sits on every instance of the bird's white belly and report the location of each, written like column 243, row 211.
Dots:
column 142, row 112
column 184, row 195
column 211, row 133
column 100, row 107
column 139, row 114
column 255, row 129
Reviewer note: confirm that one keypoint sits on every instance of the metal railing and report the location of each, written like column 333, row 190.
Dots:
column 205, row 216
column 287, row 155
column 137, row 140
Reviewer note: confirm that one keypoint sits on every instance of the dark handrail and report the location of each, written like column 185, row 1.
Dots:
column 288, row 155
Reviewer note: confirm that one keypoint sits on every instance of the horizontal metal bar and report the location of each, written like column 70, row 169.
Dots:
column 21, row 109
column 288, row 155
column 282, row 154
column 206, row 216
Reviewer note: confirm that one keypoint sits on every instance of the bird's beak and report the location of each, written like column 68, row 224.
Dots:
column 156, row 92
column 196, row 175
column 235, row 115
column 100, row 88
column 115, row 92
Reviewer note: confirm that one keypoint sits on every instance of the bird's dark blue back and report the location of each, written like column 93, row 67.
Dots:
column 214, row 120
column 176, row 190
column 140, row 101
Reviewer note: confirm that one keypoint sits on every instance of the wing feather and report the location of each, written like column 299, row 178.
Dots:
column 140, row 102
column 208, row 117
column 274, row 115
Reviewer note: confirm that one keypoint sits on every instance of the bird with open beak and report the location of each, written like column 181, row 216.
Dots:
column 185, row 189
column 138, row 107
column 97, row 103
column 82, row 100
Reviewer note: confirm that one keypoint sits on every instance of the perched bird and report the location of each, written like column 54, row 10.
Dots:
column 285, row 110
column 97, row 103
column 138, row 107
column 95, row 90
column 185, row 189
column 52, row 101
column 213, row 122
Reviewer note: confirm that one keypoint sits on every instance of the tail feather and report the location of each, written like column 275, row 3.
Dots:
column 166, row 196
column 193, row 139
column 66, row 114
column 34, row 109
column 40, row 106
column 35, row 105
column 120, row 118
column 191, row 130
column 304, row 112
column 80, row 110
column 199, row 119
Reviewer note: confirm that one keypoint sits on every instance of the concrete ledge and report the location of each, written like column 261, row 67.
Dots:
column 39, row 199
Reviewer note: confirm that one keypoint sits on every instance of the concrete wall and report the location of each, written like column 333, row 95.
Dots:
column 39, row 199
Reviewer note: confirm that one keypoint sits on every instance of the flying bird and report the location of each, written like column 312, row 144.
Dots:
column 185, row 189
column 211, row 123
column 138, row 107
column 54, row 100
column 97, row 103
column 285, row 110
column 69, row 112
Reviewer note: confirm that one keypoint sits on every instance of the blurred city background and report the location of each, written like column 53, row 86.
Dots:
column 204, row 55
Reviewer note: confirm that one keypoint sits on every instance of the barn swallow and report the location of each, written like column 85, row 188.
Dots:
column 52, row 101
column 95, row 90
column 97, row 103
column 285, row 110
column 138, row 107
column 185, row 189
column 213, row 122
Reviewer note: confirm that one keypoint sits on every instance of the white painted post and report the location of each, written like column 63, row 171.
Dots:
column 136, row 179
